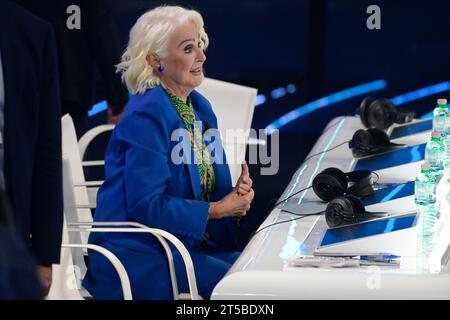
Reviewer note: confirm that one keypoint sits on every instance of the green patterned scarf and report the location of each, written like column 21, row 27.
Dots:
column 201, row 155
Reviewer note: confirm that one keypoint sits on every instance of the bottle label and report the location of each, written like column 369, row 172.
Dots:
column 435, row 158
column 424, row 192
column 439, row 124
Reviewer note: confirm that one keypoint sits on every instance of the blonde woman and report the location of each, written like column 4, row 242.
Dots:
column 194, row 200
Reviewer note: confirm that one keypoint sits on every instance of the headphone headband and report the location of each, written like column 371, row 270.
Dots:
column 370, row 142
column 404, row 115
column 381, row 113
column 332, row 183
column 363, row 183
column 355, row 176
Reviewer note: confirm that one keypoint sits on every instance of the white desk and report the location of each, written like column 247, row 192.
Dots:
column 261, row 272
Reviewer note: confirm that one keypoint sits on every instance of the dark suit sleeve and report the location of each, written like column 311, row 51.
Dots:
column 47, row 206
column 105, row 46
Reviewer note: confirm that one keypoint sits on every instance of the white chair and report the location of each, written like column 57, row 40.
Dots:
column 83, row 144
column 87, row 138
column 68, row 275
column 233, row 105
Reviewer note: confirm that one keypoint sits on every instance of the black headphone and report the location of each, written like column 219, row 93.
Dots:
column 332, row 183
column 381, row 113
column 371, row 141
column 346, row 210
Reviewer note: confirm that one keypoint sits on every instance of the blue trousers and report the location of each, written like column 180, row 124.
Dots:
column 149, row 273
column 209, row 268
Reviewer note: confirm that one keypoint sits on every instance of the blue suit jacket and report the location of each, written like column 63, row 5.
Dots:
column 144, row 185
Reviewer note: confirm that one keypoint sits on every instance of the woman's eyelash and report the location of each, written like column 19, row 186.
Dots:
column 188, row 48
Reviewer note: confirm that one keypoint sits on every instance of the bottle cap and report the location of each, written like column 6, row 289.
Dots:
column 442, row 101
column 436, row 134
column 425, row 166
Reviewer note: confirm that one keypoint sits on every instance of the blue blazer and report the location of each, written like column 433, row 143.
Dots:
column 143, row 185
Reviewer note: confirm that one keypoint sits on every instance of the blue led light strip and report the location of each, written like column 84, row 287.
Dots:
column 325, row 102
column 260, row 98
column 295, row 183
column 389, row 226
column 321, row 157
column 429, row 115
column 101, row 106
column 97, row 108
column 391, row 194
column 421, row 93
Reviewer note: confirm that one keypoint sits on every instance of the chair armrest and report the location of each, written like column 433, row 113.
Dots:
column 93, row 163
column 86, row 139
column 86, row 206
column 118, row 266
column 161, row 235
column 88, row 184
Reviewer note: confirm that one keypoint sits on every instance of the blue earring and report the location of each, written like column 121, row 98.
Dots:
column 160, row 69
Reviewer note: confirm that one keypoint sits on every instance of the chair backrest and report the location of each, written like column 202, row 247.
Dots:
column 72, row 154
column 67, row 275
column 234, row 106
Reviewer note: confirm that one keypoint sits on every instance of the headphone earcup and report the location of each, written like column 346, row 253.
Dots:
column 361, row 143
column 356, row 205
column 357, row 145
column 364, row 106
column 378, row 137
column 337, row 172
column 381, row 114
column 371, row 141
column 338, row 212
column 363, row 137
column 329, row 184
column 344, row 210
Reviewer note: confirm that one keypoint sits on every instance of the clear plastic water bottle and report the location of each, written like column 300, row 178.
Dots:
column 425, row 185
column 425, row 226
column 435, row 153
column 425, row 197
column 440, row 114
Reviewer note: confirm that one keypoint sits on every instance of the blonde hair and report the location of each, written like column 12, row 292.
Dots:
column 151, row 34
